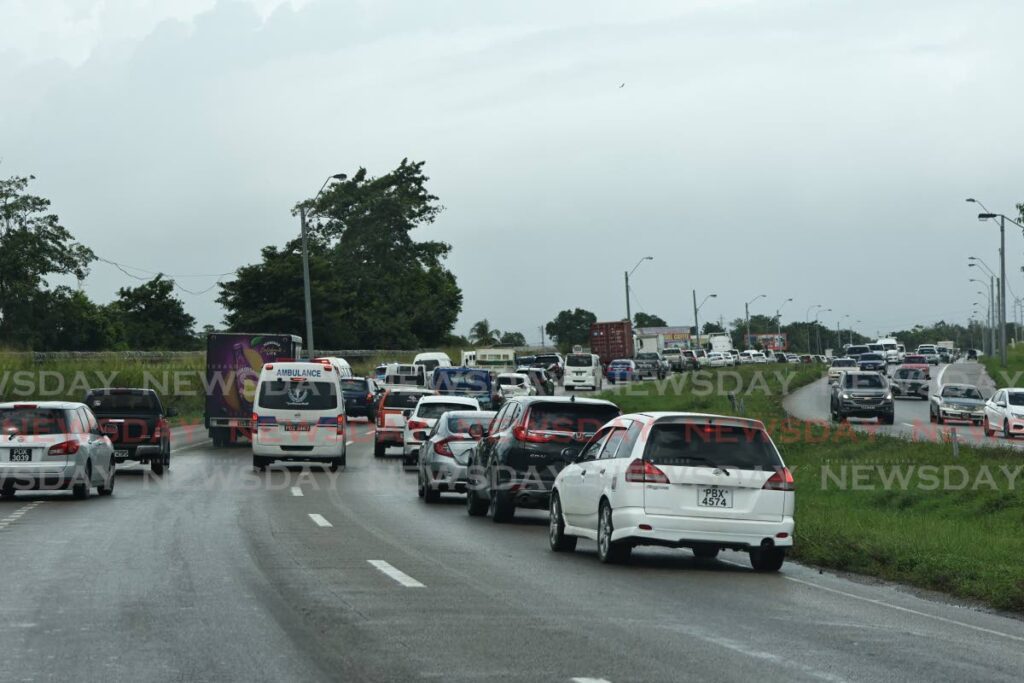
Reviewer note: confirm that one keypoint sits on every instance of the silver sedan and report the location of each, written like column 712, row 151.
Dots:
column 444, row 455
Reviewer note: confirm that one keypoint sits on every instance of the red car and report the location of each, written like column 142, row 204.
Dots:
column 917, row 362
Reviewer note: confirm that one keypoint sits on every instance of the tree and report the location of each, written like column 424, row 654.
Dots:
column 482, row 334
column 372, row 285
column 712, row 328
column 67, row 320
column 648, row 320
column 570, row 328
column 151, row 317
column 35, row 246
column 512, row 339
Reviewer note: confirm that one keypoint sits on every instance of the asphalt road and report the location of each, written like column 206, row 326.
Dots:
column 217, row 573
column 812, row 403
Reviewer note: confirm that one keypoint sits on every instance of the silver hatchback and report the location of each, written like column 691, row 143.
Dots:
column 444, row 456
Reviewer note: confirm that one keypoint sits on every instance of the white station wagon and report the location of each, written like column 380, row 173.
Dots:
column 681, row 480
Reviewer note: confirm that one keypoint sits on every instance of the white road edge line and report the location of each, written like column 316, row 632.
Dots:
column 583, row 679
column 296, row 491
column 882, row 603
column 396, row 574
column 319, row 519
column 349, row 443
column 938, row 380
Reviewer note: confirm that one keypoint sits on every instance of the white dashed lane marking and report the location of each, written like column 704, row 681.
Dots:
column 296, row 491
column 396, row 574
column 17, row 514
column 319, row 520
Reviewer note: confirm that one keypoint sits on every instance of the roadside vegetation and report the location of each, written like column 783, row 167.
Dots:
column 881, row 506
column 1013, row 374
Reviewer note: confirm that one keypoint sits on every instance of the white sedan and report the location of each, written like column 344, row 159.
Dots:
column 717, row 359
column 53, row 445
column 1004, row 412
column 682, row 480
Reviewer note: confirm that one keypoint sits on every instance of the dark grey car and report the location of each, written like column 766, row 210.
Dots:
column 862, row 394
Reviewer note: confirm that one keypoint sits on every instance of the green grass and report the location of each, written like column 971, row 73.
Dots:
column 963, row 541
column 1013, row 374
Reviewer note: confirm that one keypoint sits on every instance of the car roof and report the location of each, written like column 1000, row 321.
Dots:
column 133, row 391
column 654, row 415
column 959, row 385
column 472, row 413
column 448, row 398
column 530, row 400
column 46, row 405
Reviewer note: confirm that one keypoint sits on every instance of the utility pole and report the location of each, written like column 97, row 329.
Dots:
column 305, row 284
column 1002, row 290
column 696, row 323
column 629, row 316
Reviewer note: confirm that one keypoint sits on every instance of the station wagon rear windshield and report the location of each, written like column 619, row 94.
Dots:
column 403, row 399
column 578, row 361
column 280, row 395
column 353, row 385
column 102, row 404
column 432, row 411
column 691, row 444
column 570, row 418
column 461, row 424
column 32, row 421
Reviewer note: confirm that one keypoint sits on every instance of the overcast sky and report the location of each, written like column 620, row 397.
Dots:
column 796, row 148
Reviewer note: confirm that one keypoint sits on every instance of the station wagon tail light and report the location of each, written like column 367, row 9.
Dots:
column 417, row 424
column 645, row 472
column 63, row 448
column 782, row 480
column 522, row 434
column 341, row 425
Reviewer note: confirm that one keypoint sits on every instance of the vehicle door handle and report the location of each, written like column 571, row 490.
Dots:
column 583, row 473
column 602, row 471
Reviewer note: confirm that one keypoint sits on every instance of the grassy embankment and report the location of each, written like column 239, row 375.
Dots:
column 962, row 538
column 1013, row 374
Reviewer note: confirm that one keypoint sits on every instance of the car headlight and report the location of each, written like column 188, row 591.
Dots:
column 846, row 396
column 1020, row 415
column 888, row 397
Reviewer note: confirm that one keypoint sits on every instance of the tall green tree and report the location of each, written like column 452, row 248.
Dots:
column 482, row 334
column 151, row 317
column 34, row 246
column 641, row 319
column 570, row 328
column 372, row 284
column 512, row 339
column 67, row 320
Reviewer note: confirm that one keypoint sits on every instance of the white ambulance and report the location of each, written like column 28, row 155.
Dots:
column 299, row 415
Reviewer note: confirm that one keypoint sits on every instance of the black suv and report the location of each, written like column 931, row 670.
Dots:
column 872, row 362
column 361, row 396
column 862, row 394
column 136, row 423
column 528, row 443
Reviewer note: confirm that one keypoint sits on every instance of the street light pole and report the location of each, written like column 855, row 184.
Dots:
column 627, row 273
column 746, row 309
column 807, row 322
column 817, row 330
column 1002, row 271
column 778, row 318
column 305, row 265
column 696, row 310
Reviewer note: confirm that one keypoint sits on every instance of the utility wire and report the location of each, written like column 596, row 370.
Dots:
column 173, row 279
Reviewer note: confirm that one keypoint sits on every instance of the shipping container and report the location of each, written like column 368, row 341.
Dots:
column 612, row 340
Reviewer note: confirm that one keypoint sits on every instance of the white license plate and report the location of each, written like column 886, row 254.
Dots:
column 120, row 454
column 21, row 455
column 714, row 497
column 296, row 427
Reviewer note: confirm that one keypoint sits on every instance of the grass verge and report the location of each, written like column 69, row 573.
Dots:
column 900, row 510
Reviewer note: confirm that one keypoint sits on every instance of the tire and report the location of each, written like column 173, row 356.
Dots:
column 609, row 551
column 157, row 466
column 420, row 487
column 559, row 542
column 939, row 420
column 430, row 494
column 379, row 449
column 887, row 419
column 7, row 490
column 1006, row 430
column 336, row 464
column 107, row 487
column 501, row 508
column 987, row 427
column 767, row 560
column 705, row 552
column 259, row 463
column 475, row 507
column 80, row 490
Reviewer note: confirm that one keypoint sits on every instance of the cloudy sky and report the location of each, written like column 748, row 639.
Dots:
column 813, row 149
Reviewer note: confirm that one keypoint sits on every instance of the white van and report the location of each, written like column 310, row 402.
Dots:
column 582, row 370
column 341, row 365
column 299, row 414
column 431, row 360
column 403, row 374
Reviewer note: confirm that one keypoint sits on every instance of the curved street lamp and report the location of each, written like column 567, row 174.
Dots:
column 305, row 264
column 628, row 274
column 746, row 310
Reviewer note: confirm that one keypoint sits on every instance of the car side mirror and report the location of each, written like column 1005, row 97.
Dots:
column 172, row 412
column 420, row 435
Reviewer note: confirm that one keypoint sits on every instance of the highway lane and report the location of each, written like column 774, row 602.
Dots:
column 812, row 403
column 214, row 572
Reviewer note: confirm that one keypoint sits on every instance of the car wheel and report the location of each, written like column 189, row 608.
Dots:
column 987, row 427
column 609, row 551
column 475, row 507
column 379, row 449
column 887, row 419
column 419, row 484
column 259, row 463
column 559, row 542
column 7, row 490
column 157, row 465
column 337, row 463
column 705, row 552
column 80, row 489
column 1006, row 430
column 430, row 494
column 939, row 419
column 767, row 559
column 501, row 508
column 107, row 487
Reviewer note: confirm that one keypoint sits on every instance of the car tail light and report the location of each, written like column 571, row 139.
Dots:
column 24, row 406
column 782, row 480
column 63, row 448
column 522, row 434
column 417, row 424
column 645, row 471
column 341, row 425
